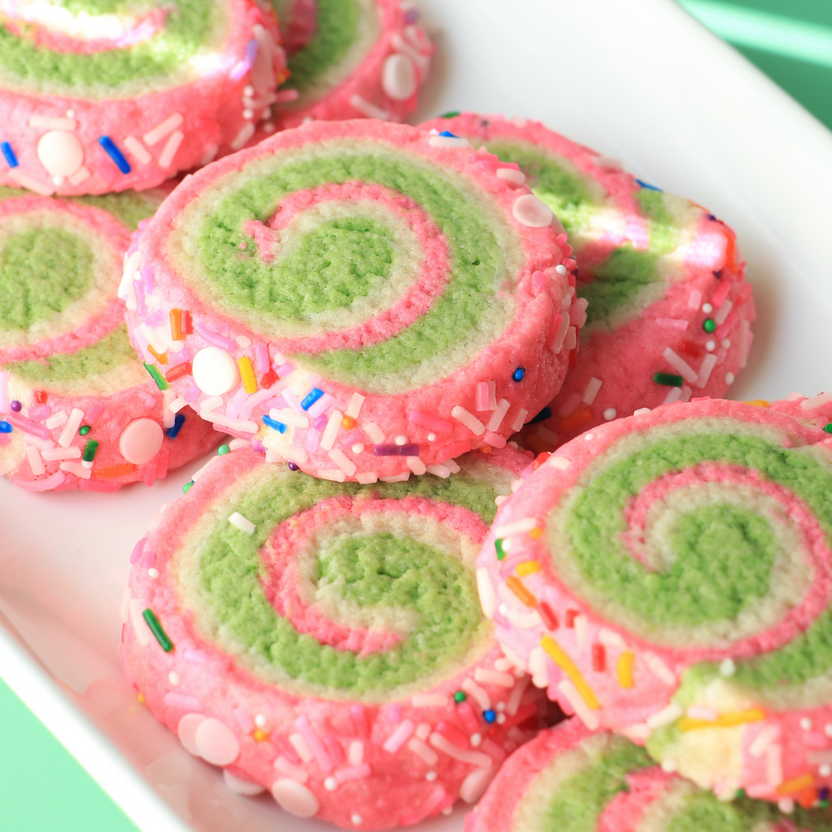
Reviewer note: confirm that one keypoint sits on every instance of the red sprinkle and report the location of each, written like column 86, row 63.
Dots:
column 268, row 379
column 691, row 349
column 186, row 324
column 571, row 615
column 599, row 658
column 548, row 615
column 178, row 371
column 40, row 396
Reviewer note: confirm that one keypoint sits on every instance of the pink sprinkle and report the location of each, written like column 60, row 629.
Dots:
column 429, row 422
column 494, row 439
column 287, row 749
column 155, row 318
column 27, row 425
column 138, row 550
column 142, row 225
column 286, row 96
column 394, row 712
column 815, row 739
column 141, row 306
column 185, row 703
column 4, row 392
column 192, row 393
column 399, row 737
column 493, row 750
column 672, row 323
column 452, row 733
column 313, row 440
column 236, row 402
column 286, row 369
column 335, row 750
column 43, row 485
column 93, row 412
column 261, row 357
column 292, row 400
column 193, row 656
column 727, row 325
column 40, row 412
column 344, row 775
column 720, row 294
column 245, row 722
column 695, row 299
column 313, row 741
column 482, row 396
column 148, row 559
column 321, row 406
column 359, row 720
column 147, row 277
column 150, row 401
column 468, row 717
column 215, row 338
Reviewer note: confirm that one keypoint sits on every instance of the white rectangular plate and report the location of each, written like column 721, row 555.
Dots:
column 635, row 79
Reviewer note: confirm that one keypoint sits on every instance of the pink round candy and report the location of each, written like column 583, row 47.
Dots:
column 141, row 440
column 216, row 742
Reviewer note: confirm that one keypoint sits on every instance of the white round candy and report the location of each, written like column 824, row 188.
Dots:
column 141, row 440
column 295, row 798
column 398, row 78
column 186, row 730
column 245, row 787
column 215, row 371
column 60, row 153
column 216, row 742
column 533, row 212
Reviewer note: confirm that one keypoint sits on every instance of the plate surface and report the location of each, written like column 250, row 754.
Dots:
column 635, row 79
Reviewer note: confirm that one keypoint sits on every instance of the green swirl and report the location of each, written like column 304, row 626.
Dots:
column 623, row 280
column 470, row 313
column 722, row 561
column 221, row 570
column 576, row 802
column 190, row 25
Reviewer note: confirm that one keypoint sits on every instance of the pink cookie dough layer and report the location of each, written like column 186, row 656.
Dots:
column 365, row 300
column 669, row 311
column 267, row 657
column 77, row 410
column 667, row 576
column 65, row 135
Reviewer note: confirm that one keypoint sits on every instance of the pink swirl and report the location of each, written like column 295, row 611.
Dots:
column 291, row 537
column 417, row 300
column 819, row 592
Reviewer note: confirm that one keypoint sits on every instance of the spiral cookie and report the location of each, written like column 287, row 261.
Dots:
column 77, row 410
column 325, row 640
column 100, row 95
column 668, row 313
column 363, row 299
column 570, row 779
column 351, row 59
column 668, row 576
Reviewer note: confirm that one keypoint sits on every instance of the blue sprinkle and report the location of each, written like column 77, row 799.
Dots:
column 9, row 154
column 489, row 715
column 177, row 426
column 448, row 135
column 274, row 424
column 518, row 374
column 5, row 427
column 311, row 397
column 115, row 154
column 648, row 187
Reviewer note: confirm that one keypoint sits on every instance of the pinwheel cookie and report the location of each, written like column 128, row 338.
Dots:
column 669, row 576
column 324, row 641
column 364, row 299
column 570, row 778
column 77, row 409
column 668, row 313
column 101, row 95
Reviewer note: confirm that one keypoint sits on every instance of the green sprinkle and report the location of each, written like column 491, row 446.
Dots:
column 156, row 376
column 668, row 379
column 85, row 429
column 498, row 545
column 89, row 450
column 709, row 325
column 828, row 428
column 187, row 487
column 450, row 114
column 223, row 450
column 460, row 696
column 156, row 628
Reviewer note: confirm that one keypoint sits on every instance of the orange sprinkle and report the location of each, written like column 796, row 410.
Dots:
column 796, row 784
column 516, row 586
column 758, row 403
column 122, row 470
column 141, row 698
column 624, row 669
column 162, row 358
column 535, row 533
column 537, row 444
column 260, row 735
column 348, row 423
column 486, row 449
column 528, row 567
column 807, row 798
column 176, row 325
column 578, row 418
column 723, row 721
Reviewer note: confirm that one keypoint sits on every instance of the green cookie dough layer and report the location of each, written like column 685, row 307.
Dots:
column 485, row 254
column 220, row 573
column 190, row 25
column 724, row 562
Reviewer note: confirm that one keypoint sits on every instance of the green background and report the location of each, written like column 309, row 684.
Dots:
column 42, row 788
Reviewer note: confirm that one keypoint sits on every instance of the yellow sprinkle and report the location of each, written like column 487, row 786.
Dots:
column 723, row 720
column 516, row 586
column 535, row 533
column 624, row 669
column 141, row 698
column 758, row 403
column 260, row 735
column 559, row 657
column 796, row 784
column 247, row 373
column 528, row 567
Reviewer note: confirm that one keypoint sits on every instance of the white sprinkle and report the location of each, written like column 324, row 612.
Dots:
column 52, row 123
column 610, row 413
column 342, row 461
column 827, row 729
column 720, row 316
column 54, row 454
column 244, row 525
column 291, row 770
column 680, row 365
column 763, row 740
column 289, row 417
column 170, row 148
column 559, row 462
column 480, row 696
column 497, row 415
column 243, row 136
column 441, row 471
column 399, row 737
column 560, row 335
column 354, row 407
column 430, row 776
column 806, row 724
column 331, row 430
column 431, row 437
column 367, row 109
column 30, row 182
column 153, row 572
column 638, row 732
column 423, row 731
column 400, row 440
column 173, row 678
column 727, row 667
column 673, row 395
column 468, row 419
column 825, row 770
column 248, row 114
column 137, row 150
column 356, row 819
column 531, row 211
column 519, row 419
column 448, row 141
column 330, row 784
column 260, row 721
column 35, row 461
column 592, row 390
column 708, row 364
column 695, row 299
column 374, row 433
column 70, row 428
column 416, row 465
column 429, row 700
column 475, row 740
column 660, row 669
column 669, row 765
column 494, row 677
column 786, row 805
column 726, row 343
column 477, row 758
column 423, row 751
column 710, row 346
column 707, row 308
column 666, row 715
column 561, row 270
column 729, row 378
column 579, row 706
column 163, row 129
column 358, row 448
column 302, row 747
column 512, row 175
column 588, row 437
column 488, row 599
column 455, row 469
column 516, row 527
column 332, row 475
column 366, row 477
